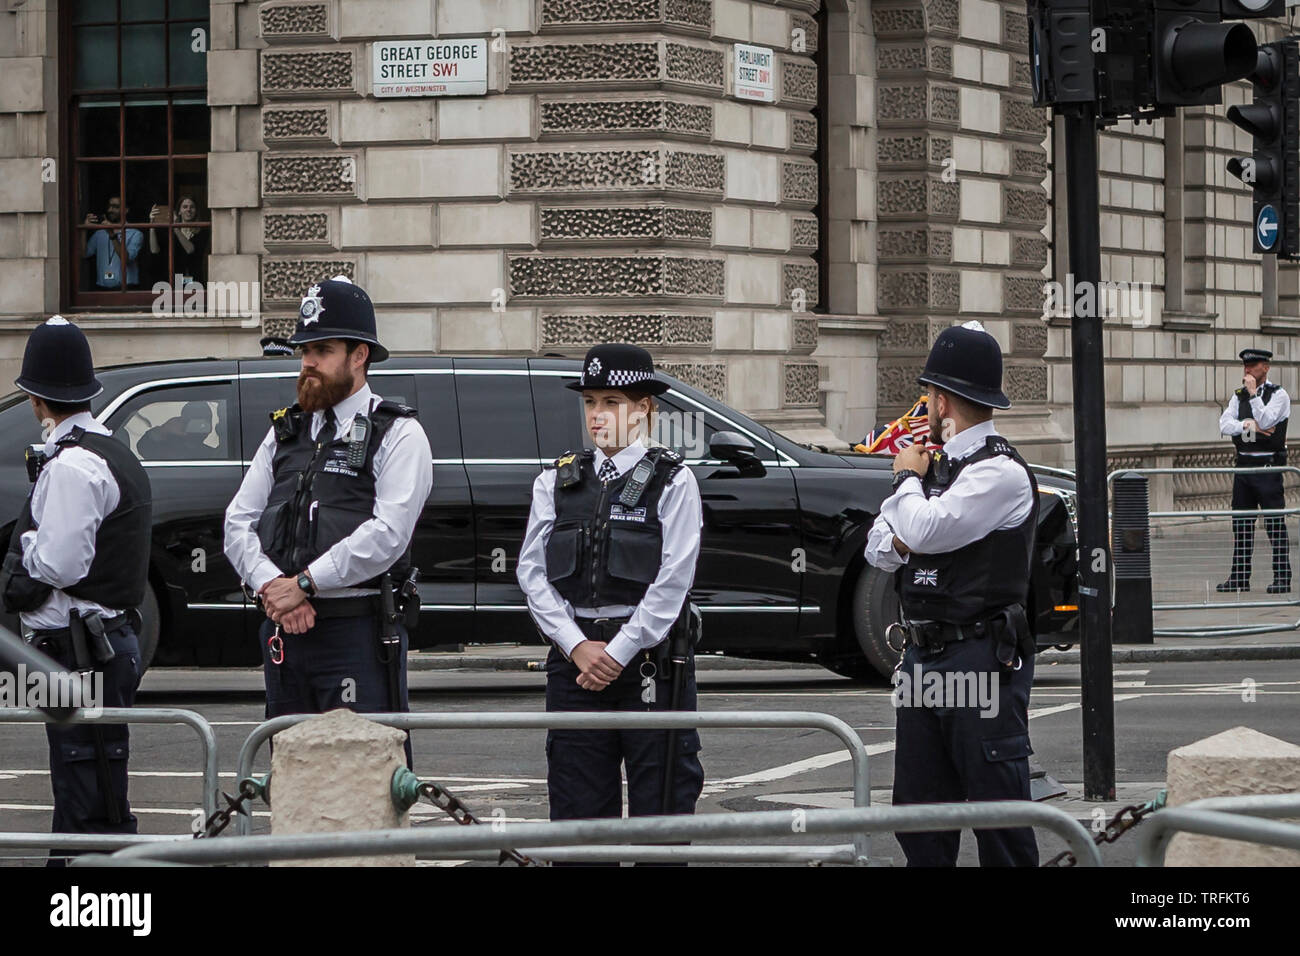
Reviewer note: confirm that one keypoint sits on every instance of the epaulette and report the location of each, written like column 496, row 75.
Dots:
column 394, row 410
column 73, row 437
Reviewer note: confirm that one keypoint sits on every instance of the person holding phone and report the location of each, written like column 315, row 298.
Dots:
column 105, row 246
column 190, row 243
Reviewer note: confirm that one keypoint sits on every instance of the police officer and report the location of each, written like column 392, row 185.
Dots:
column 606, row 564
column 77, row 569
column 321, row 527
column 275, row 347
column 1255, row 420
column 960, row 525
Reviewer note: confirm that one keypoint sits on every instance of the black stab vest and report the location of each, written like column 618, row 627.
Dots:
column 602, row 552
column 316, row 499
column 119, row 571
column 977, row 580
column 1276, row 442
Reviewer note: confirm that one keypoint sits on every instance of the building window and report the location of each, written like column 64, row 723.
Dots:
column 136, row 135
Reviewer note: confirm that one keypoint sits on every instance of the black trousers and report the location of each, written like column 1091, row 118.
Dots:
column 980, row 751
column 582, row 766
column 80, row 804
column 1248, row 493
column 335, row 664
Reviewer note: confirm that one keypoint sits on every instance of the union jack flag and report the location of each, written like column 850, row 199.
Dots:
column 907, row 430
column 923, row 576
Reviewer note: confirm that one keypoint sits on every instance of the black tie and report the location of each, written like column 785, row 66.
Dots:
column 331, row 425
column 608, row 471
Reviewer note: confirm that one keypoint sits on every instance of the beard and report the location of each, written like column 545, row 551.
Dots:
column 317, row 393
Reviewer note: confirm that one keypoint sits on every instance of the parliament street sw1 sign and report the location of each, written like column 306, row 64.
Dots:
column 755, row 74
column 429, row 67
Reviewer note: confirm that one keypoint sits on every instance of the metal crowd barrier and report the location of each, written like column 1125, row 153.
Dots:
column 1231, row 818
column 859, row 852
column 1193, row 552
column 456, row 841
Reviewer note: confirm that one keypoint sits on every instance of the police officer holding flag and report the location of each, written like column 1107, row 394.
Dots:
column 76, row 571
column 321, row 527
column 1256, row 420
column 959, row 529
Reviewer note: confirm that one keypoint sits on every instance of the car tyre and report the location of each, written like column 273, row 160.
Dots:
column 875, row 607
column 150, row 628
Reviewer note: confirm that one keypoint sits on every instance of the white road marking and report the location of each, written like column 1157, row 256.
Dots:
column 138, row 810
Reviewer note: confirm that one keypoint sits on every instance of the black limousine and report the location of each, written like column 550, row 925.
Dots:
column 781, row 574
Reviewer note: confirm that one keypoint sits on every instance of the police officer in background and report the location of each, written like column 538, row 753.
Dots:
column 960, row 525
column 321, row 527
column 1255, row 420
column 607, row 563
column 76, row 571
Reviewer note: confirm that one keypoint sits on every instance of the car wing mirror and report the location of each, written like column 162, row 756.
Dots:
column 735, row 449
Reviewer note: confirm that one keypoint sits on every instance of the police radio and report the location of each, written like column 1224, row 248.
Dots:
column 357, row 441
column 636, row 484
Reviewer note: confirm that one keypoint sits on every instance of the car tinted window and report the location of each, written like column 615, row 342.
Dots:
column 438, row 414
column 687, row 429
column 496, row 415
column 561, row 424
column 180, row 423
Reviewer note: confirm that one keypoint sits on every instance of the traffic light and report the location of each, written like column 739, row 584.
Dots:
column 1273, row 168
column 1060, row 52
column 1195, row 54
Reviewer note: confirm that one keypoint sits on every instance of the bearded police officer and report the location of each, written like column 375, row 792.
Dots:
column 321, row 527
column 76, row 571
column 1255, row 420
column 607, row 562
column 960, row 525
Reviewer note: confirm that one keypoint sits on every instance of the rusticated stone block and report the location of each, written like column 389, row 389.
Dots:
column 945, row 105
column 314, row 71
column 941, row 16
column 900, row 104
column 627, row 223
column 804, row 233
column 1023, row 294
column 579, row 12
column 803, row 31
column 710, row 378
column 1029, row 338
column 584, row 170
column 1015, row 29
column 287, row 280
column 805, row 332
column 639, row 328
column 917, row 197
column 921, row 242
column 290, row 175
column 799, row 183
column 798, row 82
column 1029, row 250
column 901, row 57
column 908, row 150
column 803, row 132
column 918, row 290
column 308, row 228
column 897, row 21
column 893, row 381
column 1026, row 383
column 1024, row 205
column 616, row 276
column 940, row 148
column 799, row 281
column 560, row 64
column 305, row 124
column 566, row 117
column 941, row 58
column 696, row 66
column 902, row 335
column 1021, row 116
column 801, row 384
column 697, row 14
column 693, row 119
column 1029, row 161
column 291, row 21
column 1021, row 77
column 695, row 172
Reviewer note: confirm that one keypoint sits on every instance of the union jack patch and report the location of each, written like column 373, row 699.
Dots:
column 930, row 577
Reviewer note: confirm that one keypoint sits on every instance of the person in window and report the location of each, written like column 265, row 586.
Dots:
column 182, row 438
column 190, row 243
column 105, row 247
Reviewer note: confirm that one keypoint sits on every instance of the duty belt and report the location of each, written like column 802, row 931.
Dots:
column 937, row 634
column 600, row 628
column 58, row 640
column 365, row 605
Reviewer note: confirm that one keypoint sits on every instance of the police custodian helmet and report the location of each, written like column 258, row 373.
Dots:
column 337, row 309
column 967, row 361
column 620, row 366
column 57, row 365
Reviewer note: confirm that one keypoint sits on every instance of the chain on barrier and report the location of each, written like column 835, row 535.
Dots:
column 1116, row 828
column 408, row 789
column 250, row 788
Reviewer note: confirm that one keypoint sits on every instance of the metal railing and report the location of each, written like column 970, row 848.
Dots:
column 859, row 852
column 457, row 841
column 1232, row 818
column 1192, row 551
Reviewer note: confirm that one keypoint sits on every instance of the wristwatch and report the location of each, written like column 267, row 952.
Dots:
column 305, row 585
column 903, row 475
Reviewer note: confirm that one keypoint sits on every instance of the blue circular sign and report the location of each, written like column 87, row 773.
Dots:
column 1266, row 228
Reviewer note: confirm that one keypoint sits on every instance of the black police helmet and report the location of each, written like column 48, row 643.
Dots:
column 275, row 346
column 1251, row 356
column 337, row 309
column 57, row 365
column 967, row 361
column 620, row 366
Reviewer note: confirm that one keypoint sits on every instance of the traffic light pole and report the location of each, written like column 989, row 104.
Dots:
column 1088, row 362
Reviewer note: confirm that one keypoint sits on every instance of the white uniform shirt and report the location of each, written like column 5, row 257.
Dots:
column 403, row 466
column 987, row 496
column 1266, row 416
column 73, row 495
column 681, row 516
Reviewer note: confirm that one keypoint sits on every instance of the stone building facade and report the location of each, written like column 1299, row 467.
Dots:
column 794, row 258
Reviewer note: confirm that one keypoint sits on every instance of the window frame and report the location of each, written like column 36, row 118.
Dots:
column 231, row 423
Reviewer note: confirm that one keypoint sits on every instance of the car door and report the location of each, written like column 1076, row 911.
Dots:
column 187, row 435
column 498, row 436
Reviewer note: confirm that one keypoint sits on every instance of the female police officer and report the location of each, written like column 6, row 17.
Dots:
column 961, row 526
column 606, row 564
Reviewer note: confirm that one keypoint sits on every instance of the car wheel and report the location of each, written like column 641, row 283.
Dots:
column 875, row 607
column 150, row 628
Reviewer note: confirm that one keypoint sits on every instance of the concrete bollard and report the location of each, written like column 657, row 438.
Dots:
column 335, row 772
column 1235, row 763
